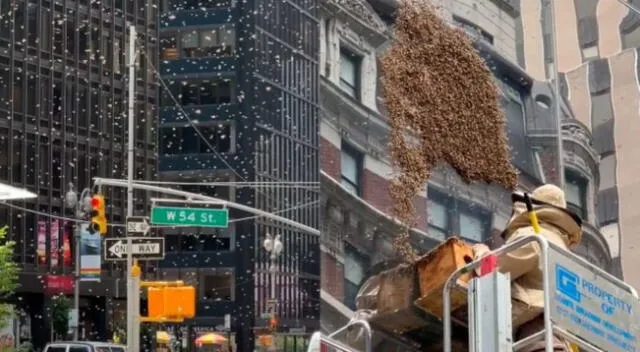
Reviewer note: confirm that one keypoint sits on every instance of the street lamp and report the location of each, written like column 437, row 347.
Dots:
column 81, row 206
column 273, row 246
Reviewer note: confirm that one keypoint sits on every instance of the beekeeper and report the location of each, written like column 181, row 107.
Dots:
column 557, row 225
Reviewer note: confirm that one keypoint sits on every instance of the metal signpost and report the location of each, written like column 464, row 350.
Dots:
column 203, row 217
column 147, row 248
column 133, row 281
column 591, row 306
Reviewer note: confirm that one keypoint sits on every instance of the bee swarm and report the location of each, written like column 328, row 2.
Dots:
column 439, row 90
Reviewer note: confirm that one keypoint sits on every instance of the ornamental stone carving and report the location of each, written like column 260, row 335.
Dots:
column 361, row 10
column 578, row 133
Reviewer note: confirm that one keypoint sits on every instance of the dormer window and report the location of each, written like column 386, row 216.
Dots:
column 350, row 72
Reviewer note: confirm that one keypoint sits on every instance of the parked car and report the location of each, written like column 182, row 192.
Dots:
column 84, row 346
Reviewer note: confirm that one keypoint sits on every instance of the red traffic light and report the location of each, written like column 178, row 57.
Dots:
column 95, row 202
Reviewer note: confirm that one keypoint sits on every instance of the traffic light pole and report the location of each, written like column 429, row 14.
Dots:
column 191, row 197
column 133, row 281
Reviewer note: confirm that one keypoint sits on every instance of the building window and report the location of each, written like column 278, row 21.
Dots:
column 32, row 25
column 217, row 285
column 185, row 140
column 448, row 215
column 189, row 42
column 350, row 73
column 193, row 240
column 438, row 218
column 211, row 42
column 168, row 46
column 473, row 225
column 198, row 4
column 18, row 24
column 473, row 30
column 350, row 168
column 199, row 92
column 215, row 42
column 576, row 187
column 5, row 20
column 117, row 55
column 355, row 267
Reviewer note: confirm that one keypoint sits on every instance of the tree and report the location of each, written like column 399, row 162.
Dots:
column 60, row 315
column 9, row 272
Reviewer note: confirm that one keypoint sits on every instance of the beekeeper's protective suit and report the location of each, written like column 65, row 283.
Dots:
column 557, row 225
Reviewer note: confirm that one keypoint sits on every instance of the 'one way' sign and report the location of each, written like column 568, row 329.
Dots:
column 149, row 248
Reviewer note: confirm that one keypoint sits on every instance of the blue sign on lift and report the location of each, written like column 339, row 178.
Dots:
column 591, row 306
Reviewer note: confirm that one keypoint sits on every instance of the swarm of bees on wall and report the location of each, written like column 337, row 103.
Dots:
column 443, row 109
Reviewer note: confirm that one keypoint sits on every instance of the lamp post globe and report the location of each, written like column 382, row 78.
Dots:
column 277, row 246
column 71, row 197
column 268, row 243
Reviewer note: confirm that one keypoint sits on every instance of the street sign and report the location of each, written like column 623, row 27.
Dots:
column 271, row 306
column 137, row 225
column 589, row 305
column 203, row 217
column 149, row 248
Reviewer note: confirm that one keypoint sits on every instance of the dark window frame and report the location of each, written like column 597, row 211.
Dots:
column 176, row 51
column 455, row 207
column 356, row 60
column 197, row 5
column 180, row 91
column 216, row 273
column 178, row 133
column 576, row 178
column 358, row 156
column 351, row 288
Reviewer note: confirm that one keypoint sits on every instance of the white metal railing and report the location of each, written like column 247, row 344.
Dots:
column 321, row 343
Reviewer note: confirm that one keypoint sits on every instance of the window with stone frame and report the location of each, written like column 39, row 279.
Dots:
column 351, row 161
column 356, row 264
column 448, row 215
column 350, row 64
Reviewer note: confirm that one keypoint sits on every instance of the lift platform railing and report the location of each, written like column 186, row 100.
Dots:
column 572, row 308
column 329, row 343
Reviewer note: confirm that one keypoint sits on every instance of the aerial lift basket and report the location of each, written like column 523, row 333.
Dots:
column 583, row 304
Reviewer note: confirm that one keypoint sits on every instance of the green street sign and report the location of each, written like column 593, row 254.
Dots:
column 203, row 217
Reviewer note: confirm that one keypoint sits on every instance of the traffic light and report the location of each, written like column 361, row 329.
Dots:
column 273, row 323
column 171, row 302
column 98, row 217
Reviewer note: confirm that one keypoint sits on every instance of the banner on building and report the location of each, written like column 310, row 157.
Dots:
column 59, row 284
column 90, row 254
column 41, row 249
column 55, row 243
column 67, row 228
